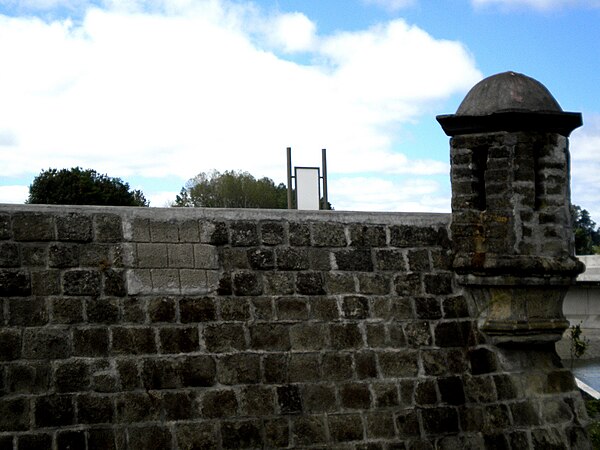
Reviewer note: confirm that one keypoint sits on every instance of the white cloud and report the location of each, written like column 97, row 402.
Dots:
column 585, row 166
column 14, row 194
column 541, row 5
column 391, row 5
column 189, row 87
column 377, row 194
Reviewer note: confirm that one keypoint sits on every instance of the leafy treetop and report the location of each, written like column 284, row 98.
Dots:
column 587, row 236
column 77, row 186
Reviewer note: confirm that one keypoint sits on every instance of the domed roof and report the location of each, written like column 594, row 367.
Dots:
column 508, row 91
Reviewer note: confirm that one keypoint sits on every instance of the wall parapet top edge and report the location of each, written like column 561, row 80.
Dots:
column 129, row 212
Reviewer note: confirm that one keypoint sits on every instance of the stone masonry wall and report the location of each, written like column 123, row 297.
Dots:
column 138, row 328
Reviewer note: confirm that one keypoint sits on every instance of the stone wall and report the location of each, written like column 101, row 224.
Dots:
column 138, row 328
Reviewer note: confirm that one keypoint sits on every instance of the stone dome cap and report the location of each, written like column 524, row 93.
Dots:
column 507, row 91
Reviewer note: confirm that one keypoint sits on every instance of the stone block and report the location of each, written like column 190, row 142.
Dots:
column 398, row 364
column 28, row 378
column 243, row 433
column 15, row 282
column 415, row 236
column 290, row 258
column 219, row 403
column 151, row 255
column 451, row 390
column 308, row 430
column 247, row 283
column 257, row 401
column 454, row 334
column 105, row 438
column 114, row 283
column 197, row 309
column 355, row 307
column 163, row 231
column 14, row 414
column 239, row 368
column 102, row 310
column 206, row 256
column 161, row 373
column 324, row 308
column 9, row 254
column 385, row 394
column 345, row 336
column 62, row 255
column 178, row 339
column 337, row 366
column 29, row 226
column 224, row 337
column 328, row 235
column 319, row 259
column 374, row 284
column 27, row 312
column 277, row 432
column 128, row 374
column 319, row 398
column 261, row 258
column 133, row 310
column 165, row 281
column 438, row 283
column 425, row 392
column 244, row 233
column 339, row 283
column 34, row 441
column 439, row 420
column 140, row 230
column 289, row 399
column 94, row 408
column 139, row 281
column 133, row 340
column 376, row 337
column 390, row 259
column 54, row 411
column 82, row 282
column 234, row 309
column 455, row 307
column 310, row 283
column 356, row 260
column 161, row 309
column 71, row 376
column 291, row 308
column 418, row 334
column 345, row 427
column 272, row 233
column 299, row 234
column 380, row 425
column 196, row 435
column 151, row 437
column 309, row 336
column 108, row 228
column 304, row 367
column 198, row 371
column 367, row 235
column 34, row 255
column 428, row 308
column 67, row 440
column 366, row 365
column 74, row 227
column 355, row 396
column 275, row 367
column 180, row 405
column 408, row 284
column 5, row 229
column 278, row 283
column 180, row 255
column 90, row 342
column 46, row 343
column 189, row 231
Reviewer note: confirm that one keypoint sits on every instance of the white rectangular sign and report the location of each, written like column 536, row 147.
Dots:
column 307, row 188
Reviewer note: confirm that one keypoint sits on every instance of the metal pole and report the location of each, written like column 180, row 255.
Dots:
column 324, row 158
column 289, row 177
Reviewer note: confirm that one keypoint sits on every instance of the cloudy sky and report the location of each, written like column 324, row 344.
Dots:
column 156, row 91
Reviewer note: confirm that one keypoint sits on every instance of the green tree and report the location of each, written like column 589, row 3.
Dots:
column 232, row 189
column 587, row 236
column 77, row 186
